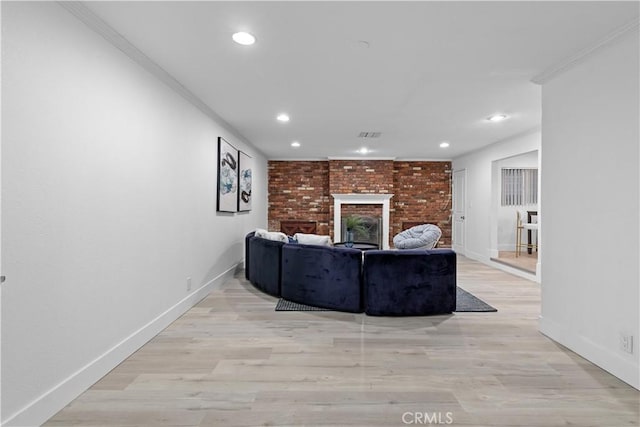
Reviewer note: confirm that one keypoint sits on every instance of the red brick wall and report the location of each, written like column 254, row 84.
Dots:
column 422, row 193
column 360, row 176
column 301, row 190
column 364, row 210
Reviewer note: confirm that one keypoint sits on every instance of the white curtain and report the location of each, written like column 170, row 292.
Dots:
column 519, row 186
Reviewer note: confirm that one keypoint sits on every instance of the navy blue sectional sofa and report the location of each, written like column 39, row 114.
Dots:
column 381, row 283
column 409, row 282
column 322, row 276
column 264, row 263
column 247, row 255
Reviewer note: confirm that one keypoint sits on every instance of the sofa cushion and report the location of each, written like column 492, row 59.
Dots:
column 313, row 239
column 272, row 235
column 409, row 282
column 247, row 255
column 322, row 276
column 265, row 264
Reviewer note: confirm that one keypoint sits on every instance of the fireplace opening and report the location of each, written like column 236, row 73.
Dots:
column 368, row 229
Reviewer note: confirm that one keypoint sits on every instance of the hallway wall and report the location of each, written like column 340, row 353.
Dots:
column 590, row 202
column 109, row 208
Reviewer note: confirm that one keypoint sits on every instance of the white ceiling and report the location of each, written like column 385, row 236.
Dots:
column 433, row 70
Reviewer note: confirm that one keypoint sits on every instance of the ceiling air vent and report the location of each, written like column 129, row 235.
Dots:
column 369, row 134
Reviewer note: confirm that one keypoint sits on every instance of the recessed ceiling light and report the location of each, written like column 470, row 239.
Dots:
column 243, row 38
column 283, row 117
column 444, row 144
column 363, row 150
column 497, row 118
column 295, row 144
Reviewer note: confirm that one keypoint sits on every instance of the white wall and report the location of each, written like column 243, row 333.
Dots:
column 506, row 237
column 108, row 186
column 482, row 193
column 590, row 192
column 0, row 238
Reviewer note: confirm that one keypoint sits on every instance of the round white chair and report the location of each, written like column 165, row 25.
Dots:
column 424, row 236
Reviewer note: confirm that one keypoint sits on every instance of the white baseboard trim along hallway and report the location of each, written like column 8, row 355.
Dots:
column 49, row 403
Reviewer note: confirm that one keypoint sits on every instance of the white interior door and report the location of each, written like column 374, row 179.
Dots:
column 459, row 210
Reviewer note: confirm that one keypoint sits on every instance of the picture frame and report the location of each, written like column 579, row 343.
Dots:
column 227, row 197
column 245, row 181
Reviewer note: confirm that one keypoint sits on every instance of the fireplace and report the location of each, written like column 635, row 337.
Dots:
column 361, row 199
column 370, row 230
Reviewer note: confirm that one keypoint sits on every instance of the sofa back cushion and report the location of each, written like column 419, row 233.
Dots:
column 247, row 255
column 322, row 276
column 313, row 239
column 265, row 264
column 409, row 282
column 272, row 235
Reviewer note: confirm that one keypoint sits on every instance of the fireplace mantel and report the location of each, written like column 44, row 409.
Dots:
column 361, row 199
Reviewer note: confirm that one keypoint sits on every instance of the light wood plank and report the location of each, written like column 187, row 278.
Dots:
column 234, row 361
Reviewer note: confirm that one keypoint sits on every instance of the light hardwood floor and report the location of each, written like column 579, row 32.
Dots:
column 234, row 361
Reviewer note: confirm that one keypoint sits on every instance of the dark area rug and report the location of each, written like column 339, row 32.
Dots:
column 285, row 305
column 465, row 302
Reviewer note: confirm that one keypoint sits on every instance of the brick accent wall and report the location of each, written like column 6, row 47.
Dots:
column 364, row 210
column 422, row 194
column 301, row 190
column 360, row 176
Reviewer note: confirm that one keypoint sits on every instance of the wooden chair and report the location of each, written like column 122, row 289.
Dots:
column 520, row 227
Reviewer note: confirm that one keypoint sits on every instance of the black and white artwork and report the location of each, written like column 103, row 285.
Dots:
column 227, row 177
column 244, row 182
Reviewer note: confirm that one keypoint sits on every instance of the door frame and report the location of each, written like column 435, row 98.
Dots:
column 459, row 174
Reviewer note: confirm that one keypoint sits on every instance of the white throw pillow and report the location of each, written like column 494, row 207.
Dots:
column 271, row 235
column 313, row 239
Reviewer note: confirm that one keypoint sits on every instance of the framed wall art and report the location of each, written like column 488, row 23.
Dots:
column 244, row 182
column 227, row 200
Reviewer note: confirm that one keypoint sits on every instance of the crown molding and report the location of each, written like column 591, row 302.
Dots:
column 423, row 159
column 577, row 58
column 324, row 159
column 297, row 159
column 95, row 23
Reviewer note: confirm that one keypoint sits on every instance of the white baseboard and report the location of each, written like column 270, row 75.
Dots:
column 476, row 256
column 52, row 401
column 615, row 364
column 499, row 266
column 506, row 247
column 515, row 271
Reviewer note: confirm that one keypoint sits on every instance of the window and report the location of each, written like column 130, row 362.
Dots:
column 519, row 186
